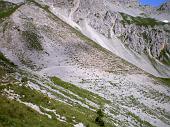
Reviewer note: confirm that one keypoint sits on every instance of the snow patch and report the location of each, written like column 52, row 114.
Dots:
column 165, row 21
column 79, row 125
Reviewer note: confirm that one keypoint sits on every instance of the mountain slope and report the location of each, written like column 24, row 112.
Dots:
column 44, row 47
column 25, row 102
column 118, row 26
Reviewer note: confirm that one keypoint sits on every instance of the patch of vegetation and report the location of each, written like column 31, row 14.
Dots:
column 140, row 21
column 6, row 67
column 165, row 81
column 18, row 113
column 66, row 93
column 164, row 54
column 33, row 40
column 4, row 59
column 7, row 8
column 79, row 91
column 99, row 118
column 24, row 80
column 143, row 123
column 15, row 114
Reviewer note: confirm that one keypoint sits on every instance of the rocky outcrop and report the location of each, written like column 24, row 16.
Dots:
column 165, row 7
column 144, row 35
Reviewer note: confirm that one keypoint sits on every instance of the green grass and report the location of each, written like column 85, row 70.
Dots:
column 79, row 91
column 66, row 93
column 6, row 67
column 165, row 81
column 140, row 21
column 15, row 114
column 13, row 111
column 4, row 59
column 6, row 9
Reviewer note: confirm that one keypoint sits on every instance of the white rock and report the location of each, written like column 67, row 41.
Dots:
column 79, row 125
column 165, row 21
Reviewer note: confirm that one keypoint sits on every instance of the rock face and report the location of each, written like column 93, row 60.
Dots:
column 144, row 35
column 132, row 24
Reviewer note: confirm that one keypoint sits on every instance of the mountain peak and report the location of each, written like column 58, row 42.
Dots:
column 165, row 6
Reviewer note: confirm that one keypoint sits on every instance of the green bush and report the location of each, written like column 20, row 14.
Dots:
column 99, row 117
column 99, row 121
column 100, row 113
column 24, row 79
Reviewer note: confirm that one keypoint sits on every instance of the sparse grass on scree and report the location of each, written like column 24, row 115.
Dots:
column 21, row 115
column 79, row 91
